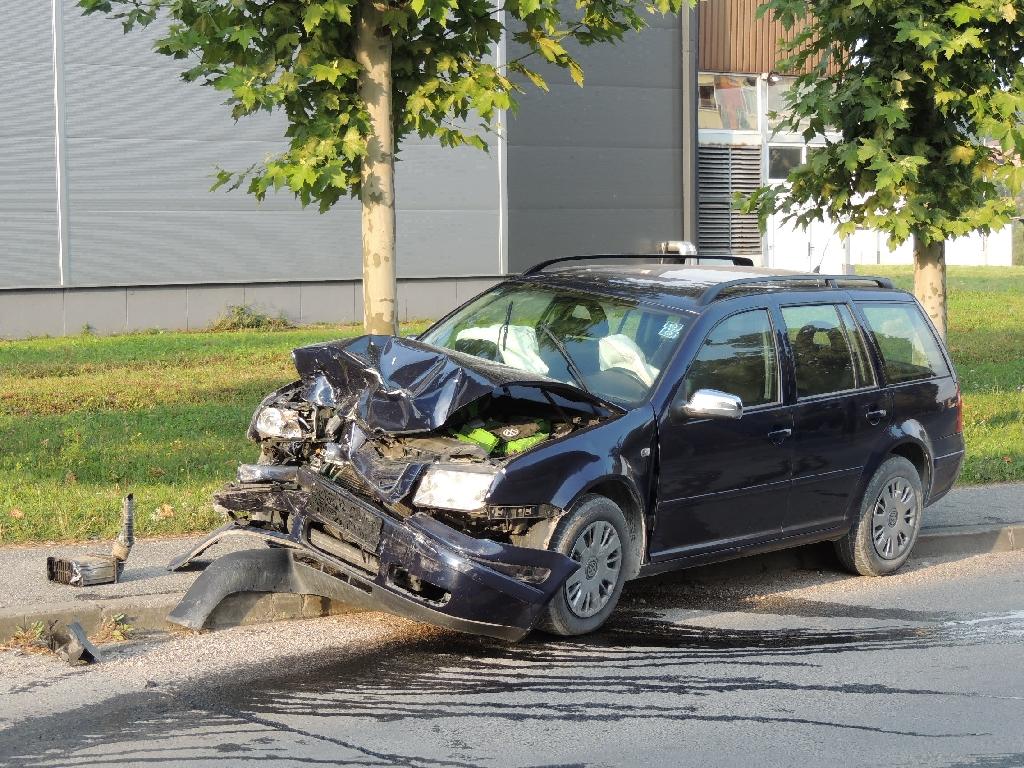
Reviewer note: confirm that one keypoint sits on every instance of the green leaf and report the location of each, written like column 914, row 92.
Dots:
column 526, row 7
column 289, row 40
column 301, row 176
column 353, row 145
column 222, row 178
column 314, row 14
column 550, row 49
column 961, row 154
column 576, row 72
column 325, row 72
column 244, row 35
column 535, row 78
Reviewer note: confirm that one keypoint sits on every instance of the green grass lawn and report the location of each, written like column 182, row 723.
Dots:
column 85, row 419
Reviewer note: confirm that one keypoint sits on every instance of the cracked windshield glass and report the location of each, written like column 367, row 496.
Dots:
column 611, row 347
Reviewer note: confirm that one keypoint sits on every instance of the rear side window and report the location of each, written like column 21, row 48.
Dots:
column 905, row 339
column 821, row 350
column 738, row 357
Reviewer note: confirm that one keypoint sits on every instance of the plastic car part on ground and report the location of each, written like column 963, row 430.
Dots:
column 71, row 644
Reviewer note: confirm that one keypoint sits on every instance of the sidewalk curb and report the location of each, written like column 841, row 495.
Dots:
column 235, row 610
column 969, row 540
column 257, row 608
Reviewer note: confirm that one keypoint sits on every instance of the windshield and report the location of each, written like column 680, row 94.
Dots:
column 612, row 347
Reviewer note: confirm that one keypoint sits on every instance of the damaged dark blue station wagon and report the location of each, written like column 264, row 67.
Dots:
column 587, row 423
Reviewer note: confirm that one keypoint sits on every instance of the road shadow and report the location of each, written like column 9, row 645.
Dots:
column 640, row 668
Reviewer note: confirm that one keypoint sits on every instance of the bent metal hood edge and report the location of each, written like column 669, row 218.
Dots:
column 405, row 386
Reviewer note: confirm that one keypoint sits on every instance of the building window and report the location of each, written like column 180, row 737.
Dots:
column 727, row 102
column 782, row 159
column 706, row 95
column 776, row 101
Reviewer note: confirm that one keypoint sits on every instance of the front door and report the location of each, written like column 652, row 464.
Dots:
column 724, row 483
column 841, row 413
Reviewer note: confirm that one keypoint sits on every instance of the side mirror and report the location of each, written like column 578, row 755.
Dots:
column 712, row 404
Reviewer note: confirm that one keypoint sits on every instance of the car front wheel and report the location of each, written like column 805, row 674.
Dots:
column 594, row 534
column 883, row 535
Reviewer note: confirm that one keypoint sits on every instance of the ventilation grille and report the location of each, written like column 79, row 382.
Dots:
column 721, row 172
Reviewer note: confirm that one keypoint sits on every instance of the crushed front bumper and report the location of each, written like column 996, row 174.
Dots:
column 340, row 546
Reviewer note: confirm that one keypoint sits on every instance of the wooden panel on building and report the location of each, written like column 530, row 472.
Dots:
column 733, row 39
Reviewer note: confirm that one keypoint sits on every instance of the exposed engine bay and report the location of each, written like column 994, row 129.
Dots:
column 452, row 465
column 381, row 458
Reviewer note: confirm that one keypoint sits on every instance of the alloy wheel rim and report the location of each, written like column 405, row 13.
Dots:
column 598, row 550
column 894, row 519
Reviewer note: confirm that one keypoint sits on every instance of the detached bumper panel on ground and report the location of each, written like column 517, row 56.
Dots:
column 342, row 547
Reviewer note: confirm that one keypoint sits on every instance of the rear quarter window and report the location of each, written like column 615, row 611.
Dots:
column 906, row 342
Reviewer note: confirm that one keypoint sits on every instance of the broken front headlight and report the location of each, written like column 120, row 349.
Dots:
column 279, row 422
column 453, row 488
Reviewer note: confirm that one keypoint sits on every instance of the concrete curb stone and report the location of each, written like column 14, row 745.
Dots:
column 253, row 608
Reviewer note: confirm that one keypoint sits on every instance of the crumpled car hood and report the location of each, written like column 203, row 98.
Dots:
column 404, row 386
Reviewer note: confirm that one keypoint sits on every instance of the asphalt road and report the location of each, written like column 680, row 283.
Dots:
column 800, row 668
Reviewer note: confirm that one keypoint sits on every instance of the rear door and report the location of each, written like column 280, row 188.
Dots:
column 920, row 379
column 840, row 417
column 725, row 483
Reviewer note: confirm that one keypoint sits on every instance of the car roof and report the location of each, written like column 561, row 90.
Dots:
column 688, row 286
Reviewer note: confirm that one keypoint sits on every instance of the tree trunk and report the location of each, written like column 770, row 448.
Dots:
column 930, row 280
column 373, row 52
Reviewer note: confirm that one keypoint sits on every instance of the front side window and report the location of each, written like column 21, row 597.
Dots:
column 822, row 356
column 612, row 347
column 738, row 357
column 906, row 342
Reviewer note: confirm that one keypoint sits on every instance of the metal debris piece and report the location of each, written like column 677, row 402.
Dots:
column 126, row 538
column 265, row 473
column 87, row 570
column 70, row 643
column 83, row 571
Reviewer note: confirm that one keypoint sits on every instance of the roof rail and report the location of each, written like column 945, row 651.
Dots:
column 787, row 281
column 669, row 258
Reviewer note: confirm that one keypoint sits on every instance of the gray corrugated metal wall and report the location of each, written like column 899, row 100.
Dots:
column 598, row 168
column 28, row 187
column 141, row 150
column 583, row 170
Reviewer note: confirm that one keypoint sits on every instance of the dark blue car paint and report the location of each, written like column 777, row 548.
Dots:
column 735, row 504
column 697, row 490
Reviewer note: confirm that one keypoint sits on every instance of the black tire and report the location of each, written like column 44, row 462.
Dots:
column 566, row 613
column 884, row 533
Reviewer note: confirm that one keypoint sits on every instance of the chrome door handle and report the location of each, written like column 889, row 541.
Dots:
column 778, row 435
column 876, row 416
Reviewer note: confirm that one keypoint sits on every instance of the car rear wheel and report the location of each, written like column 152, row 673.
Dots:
column 595, row 535
column 883, row 535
